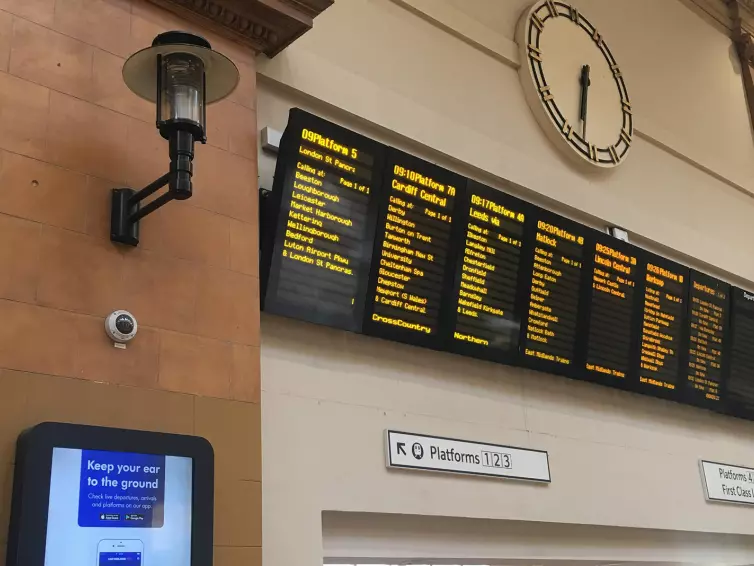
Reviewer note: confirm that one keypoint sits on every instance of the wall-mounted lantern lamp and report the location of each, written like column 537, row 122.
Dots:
column 182, row 75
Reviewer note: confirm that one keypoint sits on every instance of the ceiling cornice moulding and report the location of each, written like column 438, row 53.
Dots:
column 266, row 26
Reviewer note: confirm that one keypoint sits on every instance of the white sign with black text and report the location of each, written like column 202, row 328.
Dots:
column 437, row 454
column 723, row 482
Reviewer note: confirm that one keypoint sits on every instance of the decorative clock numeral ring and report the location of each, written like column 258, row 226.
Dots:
column 573, row 84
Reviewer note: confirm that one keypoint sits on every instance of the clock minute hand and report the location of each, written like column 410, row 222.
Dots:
column 584, row 82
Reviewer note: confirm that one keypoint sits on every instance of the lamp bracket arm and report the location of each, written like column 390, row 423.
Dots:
column 150, row 189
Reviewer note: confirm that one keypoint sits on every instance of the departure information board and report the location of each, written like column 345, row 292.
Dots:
column 663, row 324
column 708, row 318
column 739, row 393
column 363, row 237
column 486, row 321
column 412, row 249
column 551, row 323
column 613, row 310
column 321, row 251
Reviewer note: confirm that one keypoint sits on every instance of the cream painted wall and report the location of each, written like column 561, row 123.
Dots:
column 499, row 17
column 416, row 80
column 355, row 536
column 452, row 96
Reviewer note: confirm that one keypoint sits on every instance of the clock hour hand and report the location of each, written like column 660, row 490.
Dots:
column 584, row 82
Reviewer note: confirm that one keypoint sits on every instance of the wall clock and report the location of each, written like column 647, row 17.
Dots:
column 574, row 85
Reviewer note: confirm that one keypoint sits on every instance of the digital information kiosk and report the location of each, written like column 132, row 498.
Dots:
column 104, row 496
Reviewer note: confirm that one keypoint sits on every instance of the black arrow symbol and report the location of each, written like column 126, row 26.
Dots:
column 402, row 448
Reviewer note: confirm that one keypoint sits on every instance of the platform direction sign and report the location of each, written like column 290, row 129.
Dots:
column 438, row 454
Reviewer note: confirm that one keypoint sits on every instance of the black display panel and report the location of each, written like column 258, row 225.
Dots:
column 739, row 385
column 709, row 301
column 551, row 323
column 614, row 306
column 320, row 245
column 412, row 253
column 487, row 295
column 663, row 329
column 364, row 237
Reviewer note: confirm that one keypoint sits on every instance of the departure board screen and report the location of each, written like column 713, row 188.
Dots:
column 487, row 317
column 410, row 258
column 707, row 320
column 663, row 325
column 613, row 311
column 361, row 236
column 739, row 391
column 321, row 250
column 550, row 328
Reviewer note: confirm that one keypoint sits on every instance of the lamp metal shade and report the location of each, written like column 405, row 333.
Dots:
column 140, row 70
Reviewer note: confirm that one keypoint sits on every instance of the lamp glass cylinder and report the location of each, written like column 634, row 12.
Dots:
column 181, row 102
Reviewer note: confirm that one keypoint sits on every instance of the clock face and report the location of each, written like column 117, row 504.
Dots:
column 574, row 85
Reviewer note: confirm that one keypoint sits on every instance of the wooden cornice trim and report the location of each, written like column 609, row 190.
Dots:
column 733, row 17
column 726, row 15
column 716, row 12
column 742, row 25
column 266, row 26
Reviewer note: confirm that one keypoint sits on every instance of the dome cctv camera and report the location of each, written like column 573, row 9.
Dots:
column 121, row 327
